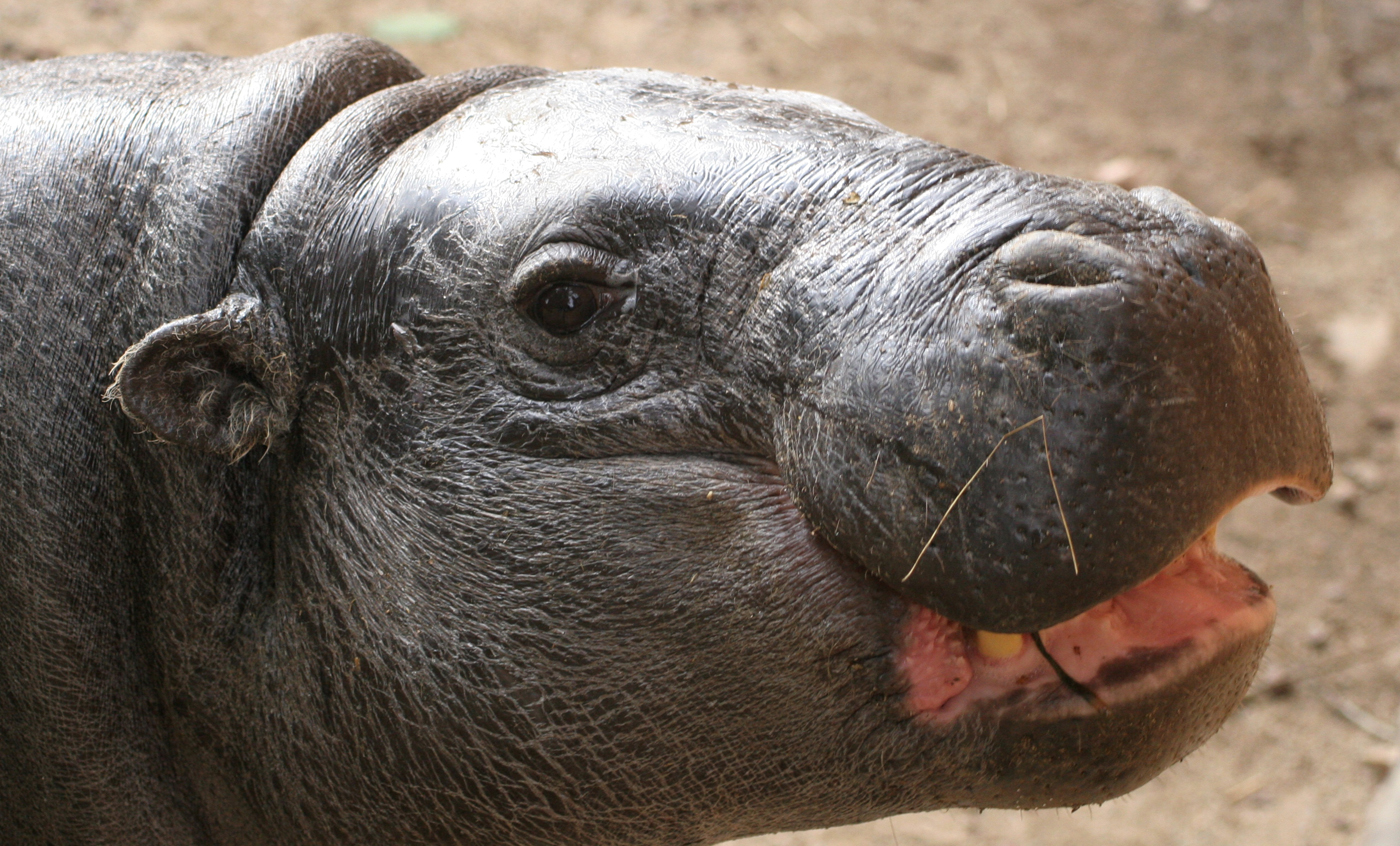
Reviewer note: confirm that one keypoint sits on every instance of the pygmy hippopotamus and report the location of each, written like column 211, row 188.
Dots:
column 598, row 457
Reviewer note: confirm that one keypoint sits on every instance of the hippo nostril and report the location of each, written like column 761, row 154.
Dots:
column 1295, row 495
column 1060, row 259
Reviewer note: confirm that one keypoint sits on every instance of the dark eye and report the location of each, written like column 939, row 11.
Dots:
column 565, row 307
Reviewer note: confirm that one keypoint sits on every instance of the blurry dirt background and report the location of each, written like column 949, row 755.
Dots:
column 1281, row 114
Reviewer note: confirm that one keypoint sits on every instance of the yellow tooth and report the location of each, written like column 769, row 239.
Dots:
column 994, row 645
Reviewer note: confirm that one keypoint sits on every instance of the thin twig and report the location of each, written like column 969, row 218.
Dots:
column 1045, row 438
column 1077, row 687
column 1361, row 718
column 874, row 469
column 1059, row 503
column 966, row 485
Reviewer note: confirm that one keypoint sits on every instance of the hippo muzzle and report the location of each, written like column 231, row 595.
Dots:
column 1049, row 418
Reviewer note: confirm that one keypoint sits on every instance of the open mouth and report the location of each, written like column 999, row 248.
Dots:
column 1200, row 606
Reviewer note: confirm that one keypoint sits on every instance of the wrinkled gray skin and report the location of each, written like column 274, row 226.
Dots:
column 400, row 565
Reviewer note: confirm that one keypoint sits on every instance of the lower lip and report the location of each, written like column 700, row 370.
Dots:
column 1145, row 637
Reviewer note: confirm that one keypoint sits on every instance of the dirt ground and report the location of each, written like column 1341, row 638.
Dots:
column 1281, row 114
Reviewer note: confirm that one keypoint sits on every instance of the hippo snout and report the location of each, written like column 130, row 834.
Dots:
column 1093, row 399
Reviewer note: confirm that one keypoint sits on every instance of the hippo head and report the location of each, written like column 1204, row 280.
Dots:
column 639, row 458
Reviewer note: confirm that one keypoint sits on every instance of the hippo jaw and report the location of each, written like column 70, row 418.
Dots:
column 1114, row 602
column 1183, row 676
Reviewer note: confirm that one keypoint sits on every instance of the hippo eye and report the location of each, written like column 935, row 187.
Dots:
column 564, row 287
column 565, row 307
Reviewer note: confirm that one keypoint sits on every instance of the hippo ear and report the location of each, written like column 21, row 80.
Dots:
column 220, row 381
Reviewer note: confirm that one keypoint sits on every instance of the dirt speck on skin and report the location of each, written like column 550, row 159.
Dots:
column 1283, row 115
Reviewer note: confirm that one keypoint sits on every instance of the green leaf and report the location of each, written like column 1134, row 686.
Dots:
column 424, row 27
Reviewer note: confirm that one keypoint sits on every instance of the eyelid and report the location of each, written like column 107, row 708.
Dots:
column 559, row 261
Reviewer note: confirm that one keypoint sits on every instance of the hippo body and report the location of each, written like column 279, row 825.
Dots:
column 599, row 457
